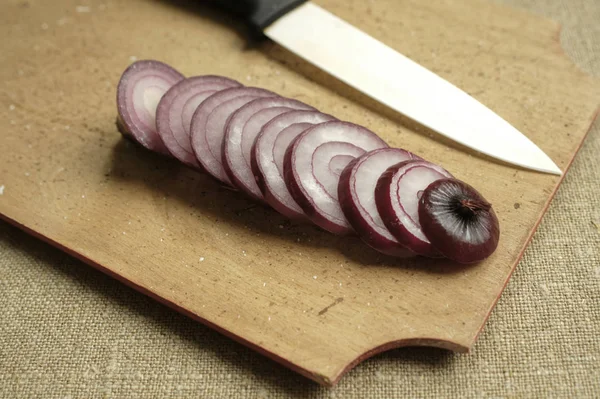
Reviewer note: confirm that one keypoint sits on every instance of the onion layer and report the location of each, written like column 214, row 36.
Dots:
column 209, row 122
column 175, row 110
column 313, row 164
column 397, row 197
column 140, row 89
column 356, row 192
column 268, row 153
column 243, row 127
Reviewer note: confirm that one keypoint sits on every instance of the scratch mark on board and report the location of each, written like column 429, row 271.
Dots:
column 325, row 309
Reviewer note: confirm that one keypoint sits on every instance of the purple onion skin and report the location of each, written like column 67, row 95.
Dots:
column 360, row 225
column 450, row 245
column 390, row 219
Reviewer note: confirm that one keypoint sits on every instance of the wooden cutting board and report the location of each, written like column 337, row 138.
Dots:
column 312, row 301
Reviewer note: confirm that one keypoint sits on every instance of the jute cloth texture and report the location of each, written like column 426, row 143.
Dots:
column 68, row 331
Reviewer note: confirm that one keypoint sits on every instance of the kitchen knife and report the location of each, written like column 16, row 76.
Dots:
column 380, row 72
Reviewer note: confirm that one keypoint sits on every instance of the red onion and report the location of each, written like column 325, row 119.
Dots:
column 243, row 127
column 175, row 110
column 356, row 193
column 140, row 89
column 458, row 221
column 209, row 122
column 397, row 197
column 313, row 164
column 268, row 152
column 305, row 164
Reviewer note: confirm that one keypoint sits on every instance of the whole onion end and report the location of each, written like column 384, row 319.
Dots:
column 458, row 221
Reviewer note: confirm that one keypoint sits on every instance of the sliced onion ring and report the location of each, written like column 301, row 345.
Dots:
column 397, row 197
column 243, row 127
column 356, row 192
column 140, row 89
column 175, row 110
column 313, row 164
column 268, row 152
column 209, row 122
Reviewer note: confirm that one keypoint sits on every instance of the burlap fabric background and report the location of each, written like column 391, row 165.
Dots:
column 68, row 331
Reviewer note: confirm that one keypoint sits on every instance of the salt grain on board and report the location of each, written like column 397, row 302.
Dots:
column 82, row 9
column 133, row 58
column 202, row 259
column 11, row 107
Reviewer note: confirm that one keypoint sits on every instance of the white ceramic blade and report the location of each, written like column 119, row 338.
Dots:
column 400, row 83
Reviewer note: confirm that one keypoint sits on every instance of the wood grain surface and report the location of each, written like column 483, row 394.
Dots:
column 315, row 302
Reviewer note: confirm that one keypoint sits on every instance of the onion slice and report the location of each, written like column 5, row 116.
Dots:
column 268, row 152
column 175, row 110
column 209, row 122
column 313, row 164
column 243, row 127
column 356, row 192
column 397, row 198
column 140, row 89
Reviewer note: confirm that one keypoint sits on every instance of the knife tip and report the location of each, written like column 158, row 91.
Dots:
column 551, row 168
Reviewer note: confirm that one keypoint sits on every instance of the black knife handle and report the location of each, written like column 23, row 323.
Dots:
column 258, row 13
